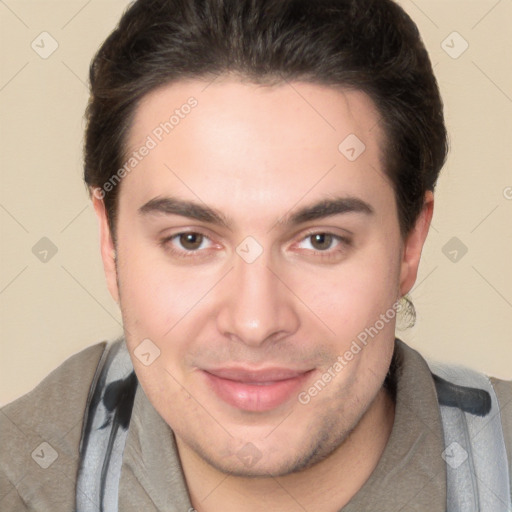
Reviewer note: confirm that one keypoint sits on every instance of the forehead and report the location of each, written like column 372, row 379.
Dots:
column 323, row 110
column 291, row 138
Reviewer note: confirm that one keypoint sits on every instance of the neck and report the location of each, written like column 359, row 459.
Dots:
column 328, row 485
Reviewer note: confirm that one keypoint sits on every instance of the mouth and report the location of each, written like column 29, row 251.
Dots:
column 256, row 390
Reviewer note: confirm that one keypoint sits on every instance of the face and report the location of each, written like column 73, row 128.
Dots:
column 255, row 248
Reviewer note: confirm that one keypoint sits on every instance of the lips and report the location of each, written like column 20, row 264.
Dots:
column 255, row 390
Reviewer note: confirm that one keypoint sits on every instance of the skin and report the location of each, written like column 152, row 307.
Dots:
column 257, row 155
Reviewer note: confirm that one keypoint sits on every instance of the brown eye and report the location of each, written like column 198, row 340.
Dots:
column 191, row 241
column 188, row 244
column 321, row 241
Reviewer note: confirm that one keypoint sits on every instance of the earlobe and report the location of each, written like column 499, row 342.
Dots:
column 107, row 246
column 413, row 245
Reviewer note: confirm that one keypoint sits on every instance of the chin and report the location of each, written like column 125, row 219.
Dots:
column 261, row 458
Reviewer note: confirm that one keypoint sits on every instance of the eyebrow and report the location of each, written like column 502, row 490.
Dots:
column 328, row 208
column 203, row 213
column 173, row 206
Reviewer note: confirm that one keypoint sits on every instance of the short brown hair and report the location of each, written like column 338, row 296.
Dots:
column 369, row 45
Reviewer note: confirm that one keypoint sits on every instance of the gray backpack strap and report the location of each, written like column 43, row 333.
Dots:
column 105, row 426
column 475, row 453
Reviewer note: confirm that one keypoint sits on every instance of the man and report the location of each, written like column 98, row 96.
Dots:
column 263, row 177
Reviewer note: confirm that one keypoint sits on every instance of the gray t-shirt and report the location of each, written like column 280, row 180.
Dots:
column 40, row 437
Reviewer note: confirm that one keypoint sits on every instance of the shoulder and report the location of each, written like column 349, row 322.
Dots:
column 64, row 391
column 41, row 435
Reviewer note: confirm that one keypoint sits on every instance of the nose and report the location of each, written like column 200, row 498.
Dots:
column 256, row 308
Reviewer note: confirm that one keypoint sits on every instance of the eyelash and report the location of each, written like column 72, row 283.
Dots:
column 167, row 245
column 343, row 242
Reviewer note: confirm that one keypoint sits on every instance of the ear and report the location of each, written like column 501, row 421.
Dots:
column 413, row 245
column 108, row 249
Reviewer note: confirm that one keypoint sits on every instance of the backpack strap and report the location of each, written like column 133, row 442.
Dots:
column 107, row 417
column 475, row 452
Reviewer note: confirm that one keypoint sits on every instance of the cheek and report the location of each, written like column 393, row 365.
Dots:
column 351, row 296
column 146, row 297
column 156, row 305
column 154, row 294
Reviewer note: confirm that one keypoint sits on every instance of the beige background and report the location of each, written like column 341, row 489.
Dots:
column 51, row 310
